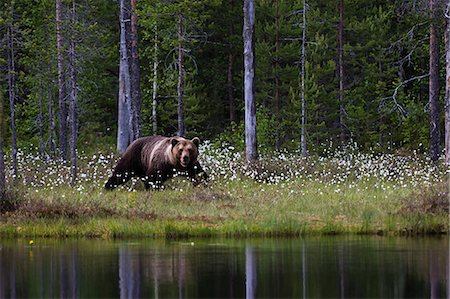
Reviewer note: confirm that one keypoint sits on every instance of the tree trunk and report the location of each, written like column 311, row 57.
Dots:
column 340, row 66
column 51, row 122
column 61, row 82
column 249, row 76
column 51, row 125
column 230, row 88
column 73, row 97
column 2, row 172
column 155, row 85
column 124, row 131
column 135, row 73
column 230, row 85
column 303, row 61
column 12, row 96
column 41, row 116
column 2, row 158
column 434, row 81
column 181, row 127
column 277, row 78
column 447, row 84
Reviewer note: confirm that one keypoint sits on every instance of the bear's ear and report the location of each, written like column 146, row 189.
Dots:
column 196, row 141
column 174, row 141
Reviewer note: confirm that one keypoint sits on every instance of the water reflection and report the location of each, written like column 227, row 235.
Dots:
column 250, row 272
column 313, row 267
column 129, row 273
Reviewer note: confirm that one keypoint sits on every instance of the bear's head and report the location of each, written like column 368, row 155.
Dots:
column 185, row 151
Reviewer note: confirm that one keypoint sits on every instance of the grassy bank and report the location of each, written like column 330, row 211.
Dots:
column 282, row 195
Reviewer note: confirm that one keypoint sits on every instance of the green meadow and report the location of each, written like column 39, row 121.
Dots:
column 346, row 192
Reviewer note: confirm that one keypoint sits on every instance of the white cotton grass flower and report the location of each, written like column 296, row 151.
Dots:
column 349, row 168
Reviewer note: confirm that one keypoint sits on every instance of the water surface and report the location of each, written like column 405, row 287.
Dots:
column 341, row 267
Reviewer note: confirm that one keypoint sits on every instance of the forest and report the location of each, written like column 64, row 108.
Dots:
column 85, row 74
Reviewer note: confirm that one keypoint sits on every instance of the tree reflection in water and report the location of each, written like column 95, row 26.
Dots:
column 250, row 272
column 309, row 267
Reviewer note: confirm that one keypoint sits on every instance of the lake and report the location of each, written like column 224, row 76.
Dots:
column 338, row 266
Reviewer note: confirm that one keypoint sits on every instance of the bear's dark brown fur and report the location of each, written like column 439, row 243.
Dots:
column 157, row 158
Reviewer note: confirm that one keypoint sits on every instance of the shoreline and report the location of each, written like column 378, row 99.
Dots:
column 120, row 229
column 240, row 211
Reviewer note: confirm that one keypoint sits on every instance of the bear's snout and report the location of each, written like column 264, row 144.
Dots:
column 185, row 159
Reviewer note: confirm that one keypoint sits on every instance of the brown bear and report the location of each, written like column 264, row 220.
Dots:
column 155, row 159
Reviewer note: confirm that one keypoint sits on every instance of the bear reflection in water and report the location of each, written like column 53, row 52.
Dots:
column 155, row 159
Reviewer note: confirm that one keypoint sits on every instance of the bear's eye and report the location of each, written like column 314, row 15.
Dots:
column 180, row 151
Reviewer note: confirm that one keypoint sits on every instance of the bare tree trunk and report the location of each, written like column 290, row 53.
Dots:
column 155, row 84
column 124, row 131
column 135, row 73
column 51, row 125
column 2, row 158
column 61, row 84
column 447, row 83
column 51, row 122
column 251, row 148
column 230, row 72
column 41, row 116
column 12, row 95
column 73, row 97
column 434, row 81
column 181, row 127
column 340, row 65
column 277, row 79
column 230, row 89
column 2, row 172
column 303, row 61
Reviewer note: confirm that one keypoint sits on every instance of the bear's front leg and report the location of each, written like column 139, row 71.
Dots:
column 197, row 175
column 117, row 179
column 149, row 184
column 155, row 180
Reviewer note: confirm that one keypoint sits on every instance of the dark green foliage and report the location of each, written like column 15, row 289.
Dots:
column 385, row 44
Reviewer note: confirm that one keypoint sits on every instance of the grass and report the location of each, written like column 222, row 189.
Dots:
column 282, row 195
